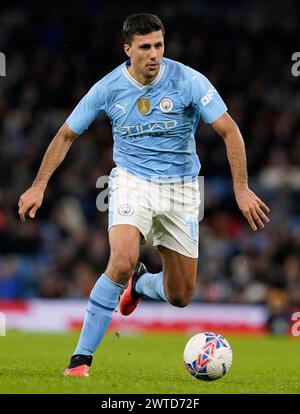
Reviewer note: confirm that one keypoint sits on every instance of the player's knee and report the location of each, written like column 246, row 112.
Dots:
column 123, row 265
column 178, row 301
column 181, row 298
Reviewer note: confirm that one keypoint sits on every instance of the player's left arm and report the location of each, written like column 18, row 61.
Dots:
column 252, row 207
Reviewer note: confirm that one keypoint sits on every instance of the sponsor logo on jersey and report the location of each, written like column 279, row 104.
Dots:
column 143, row 105
column 122, row 107
column 208, row 96
column 147, row 129
column 166, row 105
column 126, row 210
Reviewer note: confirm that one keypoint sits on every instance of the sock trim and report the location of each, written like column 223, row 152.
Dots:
column 111, row 281
column 80, row 359
column 93, row 302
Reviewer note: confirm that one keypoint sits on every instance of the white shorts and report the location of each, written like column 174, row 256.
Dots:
column 166, row 211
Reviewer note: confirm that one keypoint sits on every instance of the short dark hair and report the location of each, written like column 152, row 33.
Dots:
column 141, row 24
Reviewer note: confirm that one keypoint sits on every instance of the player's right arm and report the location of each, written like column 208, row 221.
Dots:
column 93, row 103
column 31, row 200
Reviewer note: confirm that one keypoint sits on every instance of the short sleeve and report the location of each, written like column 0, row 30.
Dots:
column 206, row 99
column 90, row 106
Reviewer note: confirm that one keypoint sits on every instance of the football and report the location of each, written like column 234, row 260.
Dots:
column 207, row 356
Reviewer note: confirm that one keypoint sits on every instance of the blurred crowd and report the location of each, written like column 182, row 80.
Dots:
column 55, row 54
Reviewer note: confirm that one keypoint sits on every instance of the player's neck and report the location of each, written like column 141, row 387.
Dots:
column 139, row 77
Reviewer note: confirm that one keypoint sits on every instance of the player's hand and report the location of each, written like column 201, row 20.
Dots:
column 30, row 202
column 252, row 207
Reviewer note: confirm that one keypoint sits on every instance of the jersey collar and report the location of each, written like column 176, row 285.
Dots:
column 138, row 84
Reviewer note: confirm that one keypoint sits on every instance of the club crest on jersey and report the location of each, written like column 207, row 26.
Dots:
column 166, row 105
column 143, row 105
column 126, row 210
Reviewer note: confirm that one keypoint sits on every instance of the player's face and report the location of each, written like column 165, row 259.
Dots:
column 145, row 53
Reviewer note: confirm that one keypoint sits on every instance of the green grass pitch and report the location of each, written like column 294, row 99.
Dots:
column 33, row 363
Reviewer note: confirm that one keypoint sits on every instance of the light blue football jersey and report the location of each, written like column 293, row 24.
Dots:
column 153, row 125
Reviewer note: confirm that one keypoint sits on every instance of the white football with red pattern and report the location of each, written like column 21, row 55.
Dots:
column 207, row 356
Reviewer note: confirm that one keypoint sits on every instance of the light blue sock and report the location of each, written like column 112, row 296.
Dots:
column 151, row 285
column 102, row 302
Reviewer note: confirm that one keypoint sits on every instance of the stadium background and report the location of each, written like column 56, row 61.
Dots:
column 55, row 53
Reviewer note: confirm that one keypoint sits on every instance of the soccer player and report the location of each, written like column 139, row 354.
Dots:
column 154, row 105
